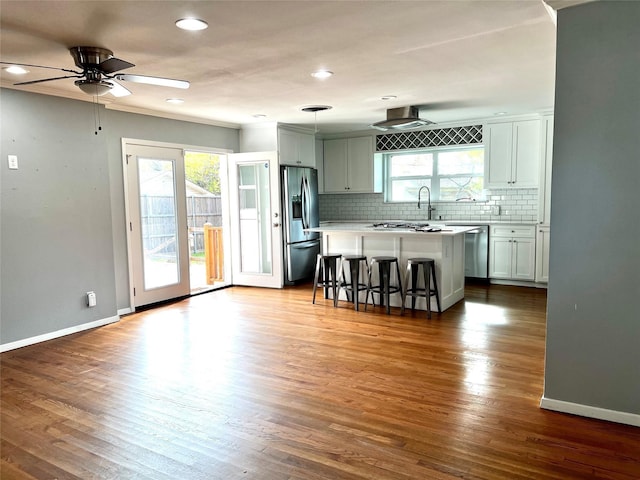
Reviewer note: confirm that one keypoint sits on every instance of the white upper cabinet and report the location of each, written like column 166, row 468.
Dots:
column 348, row 165
column 296, row 148
column 513, row 153
column 544, row 194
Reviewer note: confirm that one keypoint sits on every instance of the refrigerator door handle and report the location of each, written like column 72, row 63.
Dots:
column 305, row 246
column 305, row 203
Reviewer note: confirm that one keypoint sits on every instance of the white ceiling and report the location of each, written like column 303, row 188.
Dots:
column 458, row 60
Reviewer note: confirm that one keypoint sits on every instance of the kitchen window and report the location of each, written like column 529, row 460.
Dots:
column 451, row 174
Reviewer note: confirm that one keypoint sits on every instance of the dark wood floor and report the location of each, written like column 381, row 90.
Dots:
column 260, row 384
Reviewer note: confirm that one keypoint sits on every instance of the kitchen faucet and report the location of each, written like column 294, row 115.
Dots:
column 428, row 200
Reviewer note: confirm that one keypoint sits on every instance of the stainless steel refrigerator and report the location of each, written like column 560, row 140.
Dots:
column 299, row 211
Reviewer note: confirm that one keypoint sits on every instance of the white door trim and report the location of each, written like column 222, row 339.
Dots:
column 125, row 141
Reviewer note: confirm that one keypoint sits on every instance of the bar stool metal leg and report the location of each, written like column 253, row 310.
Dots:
column 352, row 287
column 325, row 276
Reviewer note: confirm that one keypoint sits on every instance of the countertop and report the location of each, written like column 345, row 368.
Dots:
column 438, row 228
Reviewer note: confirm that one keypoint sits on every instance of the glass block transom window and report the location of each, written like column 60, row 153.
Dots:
column 443, row 137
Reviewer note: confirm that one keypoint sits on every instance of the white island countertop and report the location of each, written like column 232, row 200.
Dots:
column 426, row 228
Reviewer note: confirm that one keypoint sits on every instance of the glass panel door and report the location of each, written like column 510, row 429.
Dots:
column 254, row 199
column 254, row 212
column 159, row 223
column 158, row 241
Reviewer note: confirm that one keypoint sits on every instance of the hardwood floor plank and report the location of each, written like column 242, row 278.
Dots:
column 248, row 383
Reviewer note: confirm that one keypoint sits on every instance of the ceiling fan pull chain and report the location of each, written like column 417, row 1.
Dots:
column 96, row 115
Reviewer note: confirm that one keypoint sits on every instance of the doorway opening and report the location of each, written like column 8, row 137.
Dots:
column 204, row 220
column 177, row 216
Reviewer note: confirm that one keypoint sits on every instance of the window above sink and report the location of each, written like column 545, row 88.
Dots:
column 452, row 174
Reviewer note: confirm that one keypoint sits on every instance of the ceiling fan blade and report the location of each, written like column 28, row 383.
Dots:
column 118, row 90
column 163, row 82
column 48, row 80
column 41, row 66
column 113, row 64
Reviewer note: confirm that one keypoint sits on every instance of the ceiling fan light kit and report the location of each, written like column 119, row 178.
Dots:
column 93, row 87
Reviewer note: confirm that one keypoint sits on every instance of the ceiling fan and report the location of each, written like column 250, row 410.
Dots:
column 99, row 73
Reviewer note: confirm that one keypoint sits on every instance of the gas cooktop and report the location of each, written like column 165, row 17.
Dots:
column 400, row 225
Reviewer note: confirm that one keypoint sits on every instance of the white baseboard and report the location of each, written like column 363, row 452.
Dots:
column 125, row 311
column 59, row 333
column 591, row 412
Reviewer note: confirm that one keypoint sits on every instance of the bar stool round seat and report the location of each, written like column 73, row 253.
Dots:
column 354, row 285
column 427, row 291
column 384, row 288
column 326, row 275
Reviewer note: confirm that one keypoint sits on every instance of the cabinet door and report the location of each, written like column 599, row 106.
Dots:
column 306, row 150
column 544, row 193
column 287, row 148
column 319, row 145
column 526, row 154
column 295, row 148
column 500, row 257
column 523, row 260
column 335, row 166
column 542, row 255
column 499, row 150
column 360, row 165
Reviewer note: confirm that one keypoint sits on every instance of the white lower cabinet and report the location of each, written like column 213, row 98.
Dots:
column 542, row 254
column 512, row 252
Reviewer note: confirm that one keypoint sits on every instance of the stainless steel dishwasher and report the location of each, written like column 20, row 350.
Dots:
column 476, row 252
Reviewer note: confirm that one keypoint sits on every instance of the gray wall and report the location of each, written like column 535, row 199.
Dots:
column 62, row 212
column 593, row 326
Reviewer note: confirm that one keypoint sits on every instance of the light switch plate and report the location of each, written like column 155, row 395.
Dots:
column 13, row 162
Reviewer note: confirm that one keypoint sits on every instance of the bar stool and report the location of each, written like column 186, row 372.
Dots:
column 326, row 276
column 429, row 271
column 384, row 288
column 354, row 286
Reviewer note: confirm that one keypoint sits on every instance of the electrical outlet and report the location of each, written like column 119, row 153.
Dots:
column 495, row 210
column 91, row 299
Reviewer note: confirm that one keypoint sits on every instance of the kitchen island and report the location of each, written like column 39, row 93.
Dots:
column 445, row 244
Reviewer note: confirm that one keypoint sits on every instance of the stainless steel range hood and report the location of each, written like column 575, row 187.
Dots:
column 402, row 118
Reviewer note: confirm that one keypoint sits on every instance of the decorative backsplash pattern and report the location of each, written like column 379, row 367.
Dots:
column 517, row 205
column 438, row 137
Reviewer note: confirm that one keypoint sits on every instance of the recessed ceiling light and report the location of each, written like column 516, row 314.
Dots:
column 259, row 115
column 322, row 74
column 388, row 97
column 500, row 113
column 191, row 24
column 176, row 101
column 16, row 70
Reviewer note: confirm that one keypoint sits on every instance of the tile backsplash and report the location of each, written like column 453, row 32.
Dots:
column 515, row 205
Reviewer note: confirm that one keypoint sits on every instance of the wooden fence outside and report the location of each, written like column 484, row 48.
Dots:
column 158, row 225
